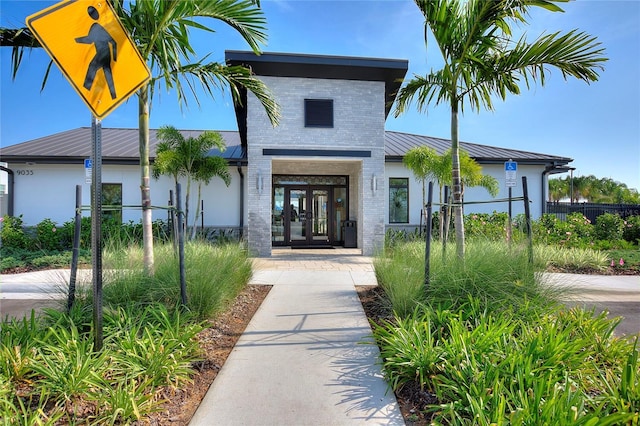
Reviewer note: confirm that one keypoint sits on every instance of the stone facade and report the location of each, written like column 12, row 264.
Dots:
column 359, row 118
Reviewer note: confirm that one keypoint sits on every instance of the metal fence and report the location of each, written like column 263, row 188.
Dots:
column 592, row 210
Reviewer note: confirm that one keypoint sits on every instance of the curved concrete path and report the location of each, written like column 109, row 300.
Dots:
column 303, row 359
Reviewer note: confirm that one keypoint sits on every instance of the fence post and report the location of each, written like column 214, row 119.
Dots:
column 427, row 248
column 76, row 248
column 181, row 231
column 527, row 215
column 444, row 221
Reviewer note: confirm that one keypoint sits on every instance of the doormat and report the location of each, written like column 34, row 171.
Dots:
column 311, row 247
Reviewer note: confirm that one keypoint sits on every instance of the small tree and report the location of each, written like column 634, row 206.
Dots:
column 424, row 162
column 189, row 157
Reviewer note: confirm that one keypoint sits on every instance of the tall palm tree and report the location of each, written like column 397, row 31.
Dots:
column 189, row 157
column 161, row 29
column 482, row 60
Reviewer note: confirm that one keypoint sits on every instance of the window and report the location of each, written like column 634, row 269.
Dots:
column 318, row 113
column 398, row 200
column 112, row 202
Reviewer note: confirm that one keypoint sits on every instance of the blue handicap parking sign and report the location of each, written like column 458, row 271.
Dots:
column 510, row 166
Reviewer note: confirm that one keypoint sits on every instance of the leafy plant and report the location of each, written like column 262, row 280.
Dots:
column 153, row 346
column 12, row 232
column 631, row 230
column 609, row 226
column 526, row 361
column 47, row 236
column 68, row 367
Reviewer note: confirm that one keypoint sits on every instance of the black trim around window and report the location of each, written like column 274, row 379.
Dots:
column 398, row 200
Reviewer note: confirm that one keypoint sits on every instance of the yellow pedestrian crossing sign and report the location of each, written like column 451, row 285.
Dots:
column 87, row 41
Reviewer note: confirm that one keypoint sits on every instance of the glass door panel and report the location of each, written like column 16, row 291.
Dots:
column 319, row 216
column 297, row 215
column 277, row 216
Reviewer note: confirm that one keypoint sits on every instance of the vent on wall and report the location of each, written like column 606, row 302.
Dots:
column 318, row 112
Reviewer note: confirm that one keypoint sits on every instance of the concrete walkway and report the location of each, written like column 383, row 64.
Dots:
column 618, row 295
column 301, row 360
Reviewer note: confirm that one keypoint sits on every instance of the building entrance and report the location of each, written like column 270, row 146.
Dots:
column 308, row 210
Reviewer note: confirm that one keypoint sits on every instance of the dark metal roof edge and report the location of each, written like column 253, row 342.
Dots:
column 313, row 59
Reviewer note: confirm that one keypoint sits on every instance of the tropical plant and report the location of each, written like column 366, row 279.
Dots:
column 482, row 59
column 557, row 190
column 178, row 155
column 161, row 29
column 592, row 189
column 425, row 163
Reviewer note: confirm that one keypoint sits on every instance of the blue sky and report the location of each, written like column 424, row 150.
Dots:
column 597, row 125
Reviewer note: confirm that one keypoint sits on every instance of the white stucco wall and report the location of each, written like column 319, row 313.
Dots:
column 48, row 191
column 534, row 185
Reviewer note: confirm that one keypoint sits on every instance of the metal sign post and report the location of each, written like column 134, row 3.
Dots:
column 510, row 172
column 96, row 230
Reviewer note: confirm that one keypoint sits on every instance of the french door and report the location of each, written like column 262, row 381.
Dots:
column 308, row 210
column 307, row 213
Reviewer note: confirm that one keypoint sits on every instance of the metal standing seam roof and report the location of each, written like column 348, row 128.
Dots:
column 120, row 146
column 397, row 144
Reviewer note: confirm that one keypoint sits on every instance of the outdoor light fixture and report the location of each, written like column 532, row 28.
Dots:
column 374, row 183
column 259, row 183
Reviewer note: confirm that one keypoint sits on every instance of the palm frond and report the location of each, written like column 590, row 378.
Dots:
column 424, row 90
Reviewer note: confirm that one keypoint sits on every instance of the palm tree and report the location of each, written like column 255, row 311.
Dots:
column 482, row 60
column 424, row 162
column 189, row 157
column 206, row 169
column 558, row 189
column 160, row 29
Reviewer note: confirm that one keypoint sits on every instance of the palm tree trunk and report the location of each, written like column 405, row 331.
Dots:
column 145, row 191
column 457, row 183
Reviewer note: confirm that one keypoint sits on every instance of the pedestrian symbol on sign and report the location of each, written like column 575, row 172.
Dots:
column 104, row 44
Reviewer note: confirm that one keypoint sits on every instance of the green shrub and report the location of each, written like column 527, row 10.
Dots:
column 491, row 227
column 47, row 236
column 12, row 233
column 576, row 259
column 631, row 231
column 575, row 231
column 67, row 231
column 492, row 272
column 50, row 373
column 609, row 227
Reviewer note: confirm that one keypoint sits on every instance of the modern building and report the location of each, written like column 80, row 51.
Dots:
column 328, row 175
